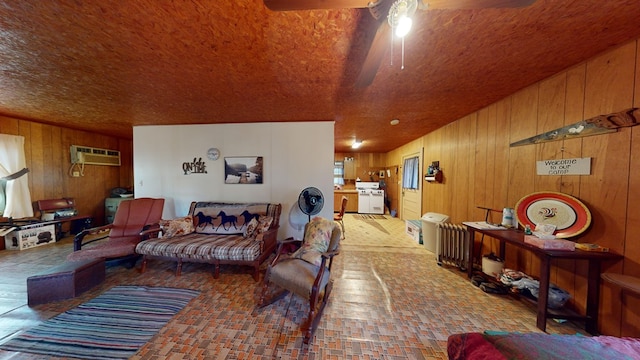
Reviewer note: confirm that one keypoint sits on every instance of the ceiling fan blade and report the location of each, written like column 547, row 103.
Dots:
column 475, row 4
column 287, row 5
column 376, row 52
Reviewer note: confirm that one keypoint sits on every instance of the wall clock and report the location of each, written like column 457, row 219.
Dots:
column 213, row 154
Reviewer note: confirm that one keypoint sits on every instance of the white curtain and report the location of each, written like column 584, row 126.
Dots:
column 13, row 170
column 410, row 173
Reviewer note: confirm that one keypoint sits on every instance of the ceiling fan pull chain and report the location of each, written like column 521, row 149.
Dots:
column 391, row 43
column 402, row 66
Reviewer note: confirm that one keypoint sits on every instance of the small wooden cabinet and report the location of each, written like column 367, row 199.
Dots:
column 352, row 200
column 349, row 169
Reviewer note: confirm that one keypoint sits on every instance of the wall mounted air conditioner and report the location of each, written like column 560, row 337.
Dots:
column 94, row 156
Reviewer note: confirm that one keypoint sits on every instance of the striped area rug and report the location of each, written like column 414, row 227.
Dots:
column 113, row 325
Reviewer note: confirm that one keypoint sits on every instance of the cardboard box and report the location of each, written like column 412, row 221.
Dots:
column 29, row 236
column 413, row 228
column 550, row 244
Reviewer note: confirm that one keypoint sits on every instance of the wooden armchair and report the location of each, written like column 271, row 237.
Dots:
column 339, row 217
column 307, row 272
column 122, row 236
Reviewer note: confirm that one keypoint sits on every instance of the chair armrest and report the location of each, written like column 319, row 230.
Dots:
column 321, row 270
column 280, row 248
column 289, row 240
column 328, row 256
column 270, row 237
column 150, row 231
column 79, row 238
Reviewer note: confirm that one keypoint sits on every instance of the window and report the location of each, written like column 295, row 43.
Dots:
column 338, row 173
column 410, row 173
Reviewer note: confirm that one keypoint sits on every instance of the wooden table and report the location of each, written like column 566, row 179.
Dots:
column 594, row 258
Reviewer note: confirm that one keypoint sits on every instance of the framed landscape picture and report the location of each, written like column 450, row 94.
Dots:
column 243, row 170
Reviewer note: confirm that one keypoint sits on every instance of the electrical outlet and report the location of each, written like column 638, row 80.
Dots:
column 76, row 174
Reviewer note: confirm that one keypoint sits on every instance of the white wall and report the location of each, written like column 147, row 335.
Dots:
column 296, row 155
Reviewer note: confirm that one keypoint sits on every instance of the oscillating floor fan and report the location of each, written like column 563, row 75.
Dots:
column 311, row 201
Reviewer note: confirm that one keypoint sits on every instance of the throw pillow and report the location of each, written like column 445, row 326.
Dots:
column 264, row 224
column 257, row 227
column 316, row 241
column 251, row 228
column 177, row 227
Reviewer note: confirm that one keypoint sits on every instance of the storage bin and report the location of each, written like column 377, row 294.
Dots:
column 491, row 266
column 413, row 228
column 430, row 223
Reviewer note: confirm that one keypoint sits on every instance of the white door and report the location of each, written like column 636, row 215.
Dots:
column 411, row 199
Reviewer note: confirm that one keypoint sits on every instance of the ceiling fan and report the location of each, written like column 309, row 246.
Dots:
column 380, row 10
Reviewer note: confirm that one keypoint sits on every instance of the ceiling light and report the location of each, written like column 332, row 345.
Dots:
column 356, row 144
column 399, row 19
column 404, row 26
column 395, row 122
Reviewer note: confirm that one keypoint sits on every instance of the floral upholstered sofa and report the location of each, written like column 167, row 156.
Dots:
column 217, row 233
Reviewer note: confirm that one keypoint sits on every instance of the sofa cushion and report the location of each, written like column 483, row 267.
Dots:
column 202, row 247
column 177, row 227
column 250, row 230
column 226, row 218
column 257, row 227
column 106, row 249
column 264, row 224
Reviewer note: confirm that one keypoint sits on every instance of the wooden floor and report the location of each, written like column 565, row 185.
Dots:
column 390, row 300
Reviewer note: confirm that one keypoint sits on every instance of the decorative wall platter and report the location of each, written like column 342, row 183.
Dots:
column 570, row 216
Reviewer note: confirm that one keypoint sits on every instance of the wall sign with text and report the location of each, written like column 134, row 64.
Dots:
column 197, row 166
column 576, row 166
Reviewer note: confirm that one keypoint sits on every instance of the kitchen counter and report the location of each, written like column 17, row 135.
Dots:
column 352, row 202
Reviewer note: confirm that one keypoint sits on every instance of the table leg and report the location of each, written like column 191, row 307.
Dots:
column 59, row 232
column 472, row 241
column 593, row 297
column 543, row 292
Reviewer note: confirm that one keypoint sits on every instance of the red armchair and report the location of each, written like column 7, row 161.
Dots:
column 119, row 239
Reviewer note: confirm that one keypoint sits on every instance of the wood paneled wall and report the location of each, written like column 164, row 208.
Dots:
column 480, row 169
column 365, row 163
column 48, row 160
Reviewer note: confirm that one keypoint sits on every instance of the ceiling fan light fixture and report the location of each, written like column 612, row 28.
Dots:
column 404, row 26
column 399, row 19
column 401, row 10
column 356, row 144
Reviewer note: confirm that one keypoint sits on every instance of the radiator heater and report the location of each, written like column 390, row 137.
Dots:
column 452, row 245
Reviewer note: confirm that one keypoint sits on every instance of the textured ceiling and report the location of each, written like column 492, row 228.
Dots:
column 105, row 66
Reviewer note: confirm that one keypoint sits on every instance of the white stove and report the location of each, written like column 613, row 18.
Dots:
column 370, row 198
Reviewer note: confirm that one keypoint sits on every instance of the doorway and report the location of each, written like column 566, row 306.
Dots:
column 411, row 189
